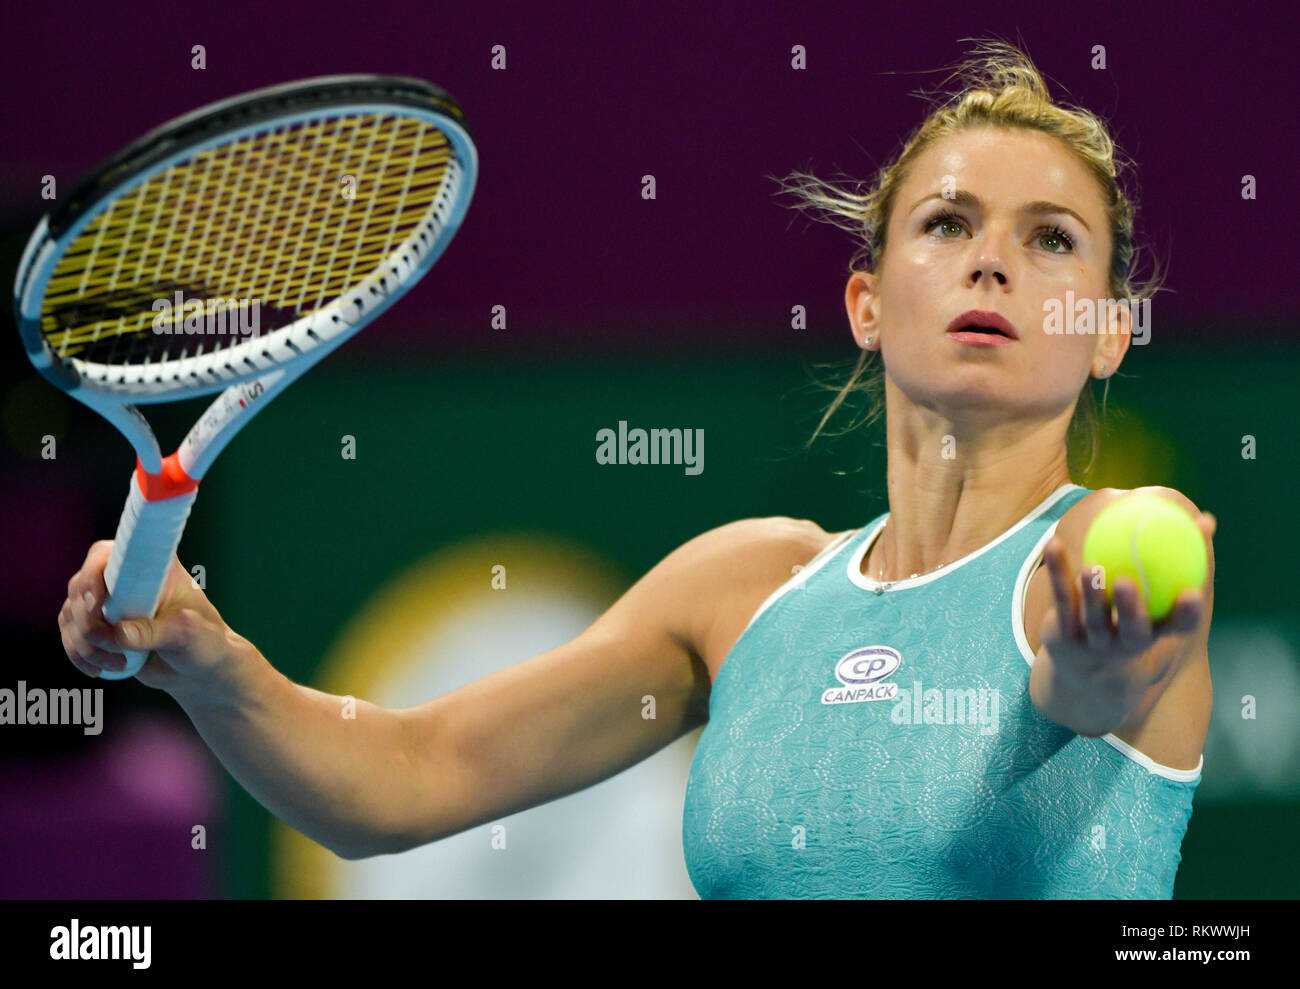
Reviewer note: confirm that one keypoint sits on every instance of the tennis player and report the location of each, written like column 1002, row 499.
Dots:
column 938, row 704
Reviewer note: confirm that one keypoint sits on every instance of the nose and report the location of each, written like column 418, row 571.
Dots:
column 990, row 262
column 989, row 269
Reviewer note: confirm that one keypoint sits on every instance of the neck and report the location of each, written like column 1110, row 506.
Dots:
column 956, row 486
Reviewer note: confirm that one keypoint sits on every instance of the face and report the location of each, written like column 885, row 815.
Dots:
column 991, row 246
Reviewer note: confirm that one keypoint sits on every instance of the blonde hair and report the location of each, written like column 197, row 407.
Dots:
column 1000, row 88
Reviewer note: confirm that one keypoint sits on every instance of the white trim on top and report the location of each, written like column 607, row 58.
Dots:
column 855, row 559
column 797, row 580
column 1027, row 570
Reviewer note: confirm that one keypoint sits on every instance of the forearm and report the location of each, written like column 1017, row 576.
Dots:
column 333, row 768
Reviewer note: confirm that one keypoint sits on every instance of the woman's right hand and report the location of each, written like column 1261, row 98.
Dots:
column 189, row 644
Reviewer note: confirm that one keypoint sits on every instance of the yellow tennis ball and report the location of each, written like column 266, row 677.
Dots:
column 1151, row 540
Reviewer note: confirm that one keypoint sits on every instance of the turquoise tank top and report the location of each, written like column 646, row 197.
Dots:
column 879, row 741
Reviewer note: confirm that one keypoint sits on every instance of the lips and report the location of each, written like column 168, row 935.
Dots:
column 978, row 321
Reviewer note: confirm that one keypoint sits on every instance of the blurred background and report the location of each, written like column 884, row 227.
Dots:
column 475, row 443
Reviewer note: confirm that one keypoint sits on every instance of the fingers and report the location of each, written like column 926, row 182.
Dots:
column 88, row 639
column 1097, row 626
column 90, row 578
column 1134, row 626
column 180, row 631
column 1185, row 615
column 1064, row 593
column 186, row 630
column 71, row 649
column 84, row 643
column 1083, row 612
column 1136, row 630
column 88, row 614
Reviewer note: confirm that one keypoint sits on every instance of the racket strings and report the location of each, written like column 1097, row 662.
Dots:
column 244, row 238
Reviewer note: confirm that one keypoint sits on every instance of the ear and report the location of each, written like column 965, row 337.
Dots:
column 1113, row 340
column 863, row 307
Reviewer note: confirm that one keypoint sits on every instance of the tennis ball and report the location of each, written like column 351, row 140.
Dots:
column 1151, row 540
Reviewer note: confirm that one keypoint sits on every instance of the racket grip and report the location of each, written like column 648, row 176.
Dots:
column 146, row 541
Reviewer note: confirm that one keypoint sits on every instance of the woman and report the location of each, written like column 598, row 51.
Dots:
column 921, row 710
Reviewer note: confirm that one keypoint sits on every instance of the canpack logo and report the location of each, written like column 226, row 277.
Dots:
column 860, row 673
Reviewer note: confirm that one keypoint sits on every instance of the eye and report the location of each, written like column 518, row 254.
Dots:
column 1053, row 239
column 1058, row 235
column 945, row 219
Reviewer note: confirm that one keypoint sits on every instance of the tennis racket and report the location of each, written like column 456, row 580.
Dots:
column 230, row 250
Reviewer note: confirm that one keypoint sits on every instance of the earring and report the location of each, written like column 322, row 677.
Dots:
column 868, row 341
column 1104, row 368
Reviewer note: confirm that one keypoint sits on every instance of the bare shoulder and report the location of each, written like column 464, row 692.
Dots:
column 734, row 568
column 757, row 544
column 1079, row 516
column 1173, row 732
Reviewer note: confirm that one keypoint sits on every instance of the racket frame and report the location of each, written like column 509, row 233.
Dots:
column 191, row 377
column 248, row 374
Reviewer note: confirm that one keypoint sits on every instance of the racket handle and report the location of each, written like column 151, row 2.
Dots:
column 146, row 541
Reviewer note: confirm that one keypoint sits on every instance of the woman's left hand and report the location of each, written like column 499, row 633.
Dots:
column 1116, row 658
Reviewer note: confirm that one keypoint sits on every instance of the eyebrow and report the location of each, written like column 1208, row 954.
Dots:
column 1038, row 207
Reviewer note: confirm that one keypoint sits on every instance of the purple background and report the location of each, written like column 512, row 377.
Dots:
column 703, row 97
